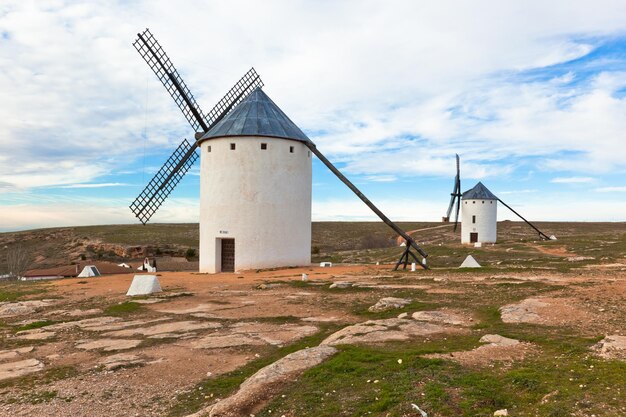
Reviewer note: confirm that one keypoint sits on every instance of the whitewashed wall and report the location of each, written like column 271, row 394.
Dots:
column 486, row 212
column 261, row 198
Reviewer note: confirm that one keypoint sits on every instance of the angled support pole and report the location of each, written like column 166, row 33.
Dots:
column 410, row 243
column 541, row 234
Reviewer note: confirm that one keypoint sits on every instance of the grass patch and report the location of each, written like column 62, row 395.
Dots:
column 37, row 380
column 14, row 291
column 340, row 387
column 124, row 308
column 223, row 385
column 35, row 325
column 278, row 319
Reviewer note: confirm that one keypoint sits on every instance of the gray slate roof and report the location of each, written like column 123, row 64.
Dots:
column 479, row 192
column 257, row 115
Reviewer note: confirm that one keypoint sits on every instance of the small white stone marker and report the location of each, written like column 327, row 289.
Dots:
column 470, row 262
column 413, row 267
column 326, row 264
column 144, row 285
column 305, row 277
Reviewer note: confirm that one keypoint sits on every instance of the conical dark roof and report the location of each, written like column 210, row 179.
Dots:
column 256, row 115
column 479, row 192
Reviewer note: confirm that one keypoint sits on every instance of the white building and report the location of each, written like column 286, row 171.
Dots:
column 255, row 190
column 479, row 215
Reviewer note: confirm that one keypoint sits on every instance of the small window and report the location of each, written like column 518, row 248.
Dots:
column 473, row 202
column 473, row 219
column 291, row 149
column 264, row 146
column 309, row 154
column 483, row 201
column 491, row 202
column 466, row 202
column 208, row 148
column 232, row 146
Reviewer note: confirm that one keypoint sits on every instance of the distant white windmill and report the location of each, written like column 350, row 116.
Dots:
column 479, row 208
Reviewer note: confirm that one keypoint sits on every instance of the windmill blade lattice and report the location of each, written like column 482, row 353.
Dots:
column 156, row 58
column 162, row 184
column 242, row 89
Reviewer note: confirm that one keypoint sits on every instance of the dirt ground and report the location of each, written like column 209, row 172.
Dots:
column 83, row 350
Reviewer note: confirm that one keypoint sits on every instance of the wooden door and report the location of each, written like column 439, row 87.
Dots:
column 473, row 237
column 228, row 255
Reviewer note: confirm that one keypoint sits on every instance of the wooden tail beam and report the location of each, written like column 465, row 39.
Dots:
column 410, row 243
column 541, row 234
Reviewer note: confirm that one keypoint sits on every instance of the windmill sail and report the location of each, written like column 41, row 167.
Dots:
column 156, row 58
column 162, row 184
column 455, row 195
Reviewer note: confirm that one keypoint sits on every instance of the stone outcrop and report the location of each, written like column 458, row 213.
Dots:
column 389, row 303
column 267, row 381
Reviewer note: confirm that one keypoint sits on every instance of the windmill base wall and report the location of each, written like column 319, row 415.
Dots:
column 261, row 198
column 486, row 224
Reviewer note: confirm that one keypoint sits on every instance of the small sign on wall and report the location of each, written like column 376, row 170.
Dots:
column 223, row 232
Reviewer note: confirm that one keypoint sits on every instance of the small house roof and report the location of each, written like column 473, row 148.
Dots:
column 256, row 115
column 73, row 270
column 479, row 192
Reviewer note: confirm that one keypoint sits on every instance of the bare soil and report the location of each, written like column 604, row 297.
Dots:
column 102, row 360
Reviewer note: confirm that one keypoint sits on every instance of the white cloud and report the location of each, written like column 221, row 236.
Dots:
column 95, row 185
column 35, row 213
column 572, row 180
column 536, row 209
column 611, row 190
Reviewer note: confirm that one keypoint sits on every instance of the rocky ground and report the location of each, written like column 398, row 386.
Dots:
column 350, row 340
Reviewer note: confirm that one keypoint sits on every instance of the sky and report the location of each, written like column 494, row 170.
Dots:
column 530, row 94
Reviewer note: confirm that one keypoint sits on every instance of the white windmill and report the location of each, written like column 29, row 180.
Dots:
column 479, row 208
column 255, row 185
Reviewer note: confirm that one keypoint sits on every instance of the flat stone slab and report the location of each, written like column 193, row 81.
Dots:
column 341, row 284
column 102, row 324
column 23, row 307
column 611, row 347
column 226, row 341
column 496, row 339
column 19, row 368
column 171, row 327
column 254, row 334
column 388, row 330
column 438, row 316
column 149, row 301
column 85, row 323
column 200, row 308
column 74, row 313
column 266, row 382
column 109, row 345
column 526, row 311
column 14, row 353
column 389, row 303
column 391, row 286
column 121, row 360
column 320, row 319
column 35, row 334
column 497, row 349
